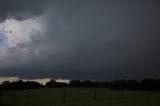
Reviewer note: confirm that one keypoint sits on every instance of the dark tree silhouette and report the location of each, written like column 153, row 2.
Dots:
column 132, row 85
column 20, row 85
column 145, row 84
column 51, row 83
column 75, row 83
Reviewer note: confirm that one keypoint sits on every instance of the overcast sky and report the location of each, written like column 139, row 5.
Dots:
column 80, row 39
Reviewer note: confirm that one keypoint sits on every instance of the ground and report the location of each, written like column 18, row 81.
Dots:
column 79, row 97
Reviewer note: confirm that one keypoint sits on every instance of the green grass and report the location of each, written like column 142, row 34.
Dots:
column 80, row 97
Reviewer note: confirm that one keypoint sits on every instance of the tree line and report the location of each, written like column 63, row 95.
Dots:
column 145, row 84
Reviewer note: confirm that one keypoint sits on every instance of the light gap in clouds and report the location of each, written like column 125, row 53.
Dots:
column 20, row 31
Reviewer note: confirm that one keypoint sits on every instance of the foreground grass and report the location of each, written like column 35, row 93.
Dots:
column 79, row 97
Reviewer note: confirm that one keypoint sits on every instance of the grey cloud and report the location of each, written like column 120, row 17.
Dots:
column 22, row 9
column 98, row 40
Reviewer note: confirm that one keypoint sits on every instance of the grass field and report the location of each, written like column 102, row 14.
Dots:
column 79, row 97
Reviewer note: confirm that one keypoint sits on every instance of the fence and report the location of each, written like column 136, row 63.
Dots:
column 67, row 95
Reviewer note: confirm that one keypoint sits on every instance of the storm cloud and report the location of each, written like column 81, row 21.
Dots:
column 93, row 39
column 21, row 9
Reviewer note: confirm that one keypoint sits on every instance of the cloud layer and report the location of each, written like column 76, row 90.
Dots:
column 83, row 39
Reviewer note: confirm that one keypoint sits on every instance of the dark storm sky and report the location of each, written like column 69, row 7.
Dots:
column 86, row 39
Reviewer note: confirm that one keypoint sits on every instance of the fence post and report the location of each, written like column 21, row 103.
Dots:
column 14, row 97
column 64, row 97
column 149, row 94
column 95, row 95
column 0, row 94
column 122, row 94
column 27, row 97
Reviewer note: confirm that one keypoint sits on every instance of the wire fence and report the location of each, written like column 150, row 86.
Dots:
column 63, row 96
